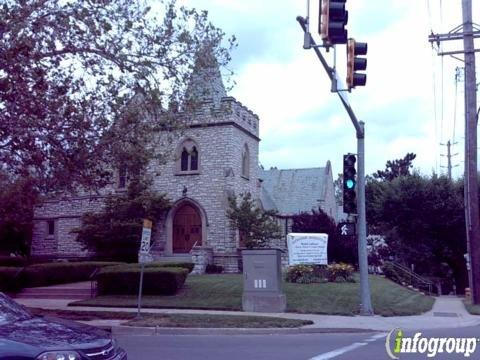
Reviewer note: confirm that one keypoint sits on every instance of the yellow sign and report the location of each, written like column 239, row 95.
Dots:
column 147, row 223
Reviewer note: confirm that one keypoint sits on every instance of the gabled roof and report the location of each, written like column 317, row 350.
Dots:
column 295, row 190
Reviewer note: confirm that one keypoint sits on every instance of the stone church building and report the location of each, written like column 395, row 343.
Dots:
column 216, row 156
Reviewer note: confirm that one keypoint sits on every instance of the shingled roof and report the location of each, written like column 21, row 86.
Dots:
column 295, row 190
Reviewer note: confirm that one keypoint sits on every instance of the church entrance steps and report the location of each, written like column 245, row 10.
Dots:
column 81, row 290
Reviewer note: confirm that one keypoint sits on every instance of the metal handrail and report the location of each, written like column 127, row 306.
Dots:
column 93, row 283
column 411, row 273
column 414, row 275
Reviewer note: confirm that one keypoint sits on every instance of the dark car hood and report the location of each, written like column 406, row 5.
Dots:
column 52, row 333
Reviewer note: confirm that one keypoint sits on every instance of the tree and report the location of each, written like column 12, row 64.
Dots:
column 68, row 71
column 338, row 186
column 340, row 249
column 423, row 222
column 396, row 168
column 256, row 226
column 16, row 213
column 115, row 232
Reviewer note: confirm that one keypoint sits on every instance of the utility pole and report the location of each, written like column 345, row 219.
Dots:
column 471, row 188
column 365, row 297
column 449, row 159
column 467, row 32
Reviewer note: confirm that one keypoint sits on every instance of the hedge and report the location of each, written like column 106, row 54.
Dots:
column 8, row 261
column 61, row 272
column 185, row 265
column 124, row 279
column 10, row 278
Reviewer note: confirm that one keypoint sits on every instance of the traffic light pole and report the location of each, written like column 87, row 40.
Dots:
column 366, row 303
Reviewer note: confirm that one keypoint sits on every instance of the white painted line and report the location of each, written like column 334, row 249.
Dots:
column 376, row 337
column 338, row 352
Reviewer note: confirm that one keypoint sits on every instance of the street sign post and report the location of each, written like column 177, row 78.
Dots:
column 144, row 256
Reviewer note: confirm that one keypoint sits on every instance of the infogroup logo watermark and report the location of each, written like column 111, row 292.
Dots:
column 397, row 343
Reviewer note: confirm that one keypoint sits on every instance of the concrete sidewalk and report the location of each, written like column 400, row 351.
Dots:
column 447, row 312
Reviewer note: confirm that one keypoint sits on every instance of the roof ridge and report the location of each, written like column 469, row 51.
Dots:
column 293, row 169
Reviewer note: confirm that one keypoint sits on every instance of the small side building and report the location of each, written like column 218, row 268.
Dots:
column 293, row 191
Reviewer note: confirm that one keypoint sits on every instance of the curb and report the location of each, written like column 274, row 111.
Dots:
column 152, row 331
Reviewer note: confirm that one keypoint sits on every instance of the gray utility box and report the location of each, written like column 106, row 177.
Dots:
column 262, row 277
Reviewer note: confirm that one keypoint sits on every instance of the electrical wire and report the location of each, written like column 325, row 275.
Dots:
column 442, row 102
column 434, row 80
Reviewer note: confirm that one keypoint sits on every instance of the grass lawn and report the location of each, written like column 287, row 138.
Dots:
column 224, row 292
column 472, row 309
column 177, row 320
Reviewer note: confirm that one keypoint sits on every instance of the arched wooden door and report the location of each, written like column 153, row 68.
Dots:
column 187, row 229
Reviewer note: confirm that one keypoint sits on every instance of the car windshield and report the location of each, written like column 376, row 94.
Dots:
column 11, row 311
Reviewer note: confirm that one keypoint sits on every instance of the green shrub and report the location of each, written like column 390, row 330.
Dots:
column 61, row 272
column 10, row 278
column 12, row 261
column 342, row 270
column 390, row 273
column 214, row 269
column 184, row 265
column 306, row 274
column 301, row 274
column 396, row 276
column 124, row 279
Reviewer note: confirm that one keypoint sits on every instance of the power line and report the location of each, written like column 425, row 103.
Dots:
column 434, row 81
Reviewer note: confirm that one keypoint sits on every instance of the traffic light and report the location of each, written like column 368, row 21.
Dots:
column 355, row 63
column 333, row 19
column 349, row 184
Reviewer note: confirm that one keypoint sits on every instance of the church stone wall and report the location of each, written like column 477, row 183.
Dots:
column 220, row 153
column 66, row 214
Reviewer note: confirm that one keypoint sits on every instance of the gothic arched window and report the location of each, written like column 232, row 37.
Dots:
column 184, row 160
column 245, row 162
column 194, row 159
column 122, row 177
column 188, row 158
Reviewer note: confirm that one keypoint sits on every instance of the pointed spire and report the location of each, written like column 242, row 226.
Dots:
column 206, row 82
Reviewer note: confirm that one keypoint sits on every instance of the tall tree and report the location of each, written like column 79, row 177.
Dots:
column 255, row 225
column 338, row 187
column 16, row 212
column 68, row 71
column 396, row 168
column 423, row 222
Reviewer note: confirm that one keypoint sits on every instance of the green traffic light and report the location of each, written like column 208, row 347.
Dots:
column 350, row 184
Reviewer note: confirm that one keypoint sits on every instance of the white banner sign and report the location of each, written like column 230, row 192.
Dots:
column 307, row 249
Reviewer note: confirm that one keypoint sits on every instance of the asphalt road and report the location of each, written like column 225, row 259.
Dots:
column 343, row 346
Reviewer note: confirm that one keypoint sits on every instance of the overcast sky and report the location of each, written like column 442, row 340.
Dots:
column 303, row 124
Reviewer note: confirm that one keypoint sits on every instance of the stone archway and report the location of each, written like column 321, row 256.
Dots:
column 186, row 226
column 187, row 229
